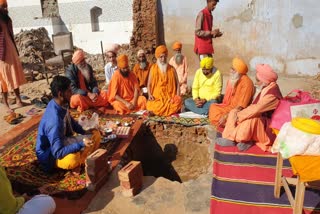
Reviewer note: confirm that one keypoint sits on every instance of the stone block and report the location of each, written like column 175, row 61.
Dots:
column 130, row 192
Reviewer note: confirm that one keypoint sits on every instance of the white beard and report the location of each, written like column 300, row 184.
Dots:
column 85, row 71
column 162, row 66
column 234, row 78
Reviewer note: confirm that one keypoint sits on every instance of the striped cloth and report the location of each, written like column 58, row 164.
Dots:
column 243, row 182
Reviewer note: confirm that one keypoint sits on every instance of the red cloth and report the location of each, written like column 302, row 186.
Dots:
column 204, row 45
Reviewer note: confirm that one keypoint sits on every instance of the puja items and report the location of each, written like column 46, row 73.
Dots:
column 123, row 132
column 130, row 177
column 88, row 123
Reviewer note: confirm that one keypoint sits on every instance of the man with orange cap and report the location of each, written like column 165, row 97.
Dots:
column 163, row 86
column 239, row 93
column 179, row 62
column 84, row 85
column 141, row 70
column 206, row 87
column 250, row 126
column 124, row 89
column 11, row 71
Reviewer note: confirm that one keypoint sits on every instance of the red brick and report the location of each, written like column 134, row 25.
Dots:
column 130, row 192
column 97, row 161
column 129, row 184
column 93, row 178
column 131, row 171
column 96, row 186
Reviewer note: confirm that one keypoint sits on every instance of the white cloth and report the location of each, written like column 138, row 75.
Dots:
column 109, row 69
column 39, row 204
column 291, row 141
column 190, row 114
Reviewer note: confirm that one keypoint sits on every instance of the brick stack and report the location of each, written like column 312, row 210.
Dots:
column 97, row 169
column 130, row 178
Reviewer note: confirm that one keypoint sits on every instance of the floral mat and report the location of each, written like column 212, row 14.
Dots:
column 24, row 172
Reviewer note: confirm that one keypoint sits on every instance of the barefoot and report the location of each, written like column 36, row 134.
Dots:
column 8, row 109
column 21, row 104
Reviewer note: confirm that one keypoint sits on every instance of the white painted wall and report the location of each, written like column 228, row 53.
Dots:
column 78, row 23
column 283, row 33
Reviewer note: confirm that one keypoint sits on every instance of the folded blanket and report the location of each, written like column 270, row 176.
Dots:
column 291, row 141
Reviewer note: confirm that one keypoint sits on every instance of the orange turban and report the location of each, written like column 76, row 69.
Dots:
column 239, row 66
column 78, row 56
column 162, row 49
column 3, row 2
column 122, row 61
column 266, row 74
column 177, row 45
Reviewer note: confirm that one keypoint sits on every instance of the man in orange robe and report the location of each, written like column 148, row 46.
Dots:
column 239, row 92
column 124, row 89
column 251, row 125
column 163, row 86
column 84, row 85
column 141, row 70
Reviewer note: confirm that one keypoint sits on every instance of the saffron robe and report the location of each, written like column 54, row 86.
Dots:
column 238, row 96
column 163, row 87
column 124, row 87
column 142, row 74
column 182, row 73
column 252, row 123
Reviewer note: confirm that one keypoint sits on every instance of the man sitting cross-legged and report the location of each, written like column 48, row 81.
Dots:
column 239, row 93
column 124, row 89
column 251, row 125
column 206, row 88
column 163, row 86
column 56, row 146
column 84, row 85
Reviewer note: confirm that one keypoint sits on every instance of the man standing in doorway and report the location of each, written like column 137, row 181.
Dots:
column 203, row 32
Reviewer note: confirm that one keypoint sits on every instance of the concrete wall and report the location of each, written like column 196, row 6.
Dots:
column 115, row 22
column 283, row 33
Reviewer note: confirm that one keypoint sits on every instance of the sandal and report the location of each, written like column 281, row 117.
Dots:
column 32, row 111
column 38, row 103
column 13, row 118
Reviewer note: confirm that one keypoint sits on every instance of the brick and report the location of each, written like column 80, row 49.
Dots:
column 131, row 184
column 130, row 192
column 93, row 178
column 131, row 171
column 97, row 161
column 96, row 186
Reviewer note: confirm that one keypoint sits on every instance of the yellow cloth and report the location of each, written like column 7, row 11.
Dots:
column 239, row 66
column 207, row 88
column 8, row 203
column 163, row 87
column 206, row 63
column 122, row 61
column 162, row 49
column 176, row 45
column 307, row 167
column 74, row 160
column 306, row 125
column 78, row 56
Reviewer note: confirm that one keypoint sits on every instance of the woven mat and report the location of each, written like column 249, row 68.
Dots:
column 24, row 172
column 180, row 120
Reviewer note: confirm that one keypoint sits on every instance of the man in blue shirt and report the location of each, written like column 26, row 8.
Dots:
column 56, row 146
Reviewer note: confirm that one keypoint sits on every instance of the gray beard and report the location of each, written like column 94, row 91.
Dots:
column 162, row 67
column 234, row 79
column 178, row 58
column 143, row 65
column 85, row 71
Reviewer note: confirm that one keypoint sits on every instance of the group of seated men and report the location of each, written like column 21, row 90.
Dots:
column 244, row 113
